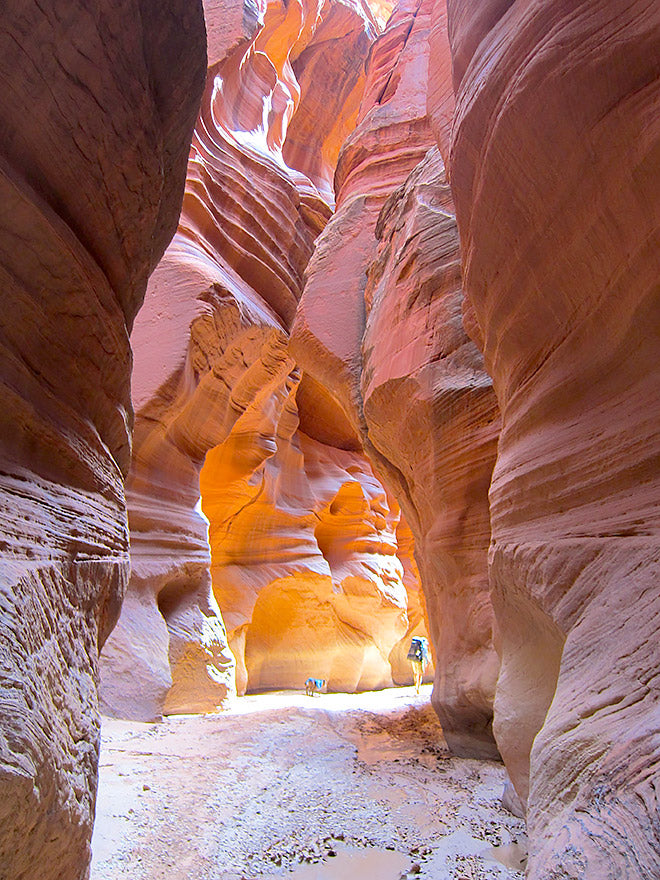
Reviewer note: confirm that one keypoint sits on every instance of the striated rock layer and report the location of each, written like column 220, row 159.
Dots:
column 305, row 564
column 380, row 325
column 95, row 125
column 214, row 383
column 554, row 168
column 419, row 363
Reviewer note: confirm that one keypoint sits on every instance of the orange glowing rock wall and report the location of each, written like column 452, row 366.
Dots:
column 380, row 325
column 213, row 381
column 95, row 125
column 555, row 160
column 305, row 562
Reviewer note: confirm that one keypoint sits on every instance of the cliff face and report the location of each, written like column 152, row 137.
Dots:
column 305, row 564
column 391, row 137
column 78, row 239
column 419, row 363
column 380, row 325
column 213, row 381
column 554, row 169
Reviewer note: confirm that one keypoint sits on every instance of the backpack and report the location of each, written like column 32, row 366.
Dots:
column 418, row 649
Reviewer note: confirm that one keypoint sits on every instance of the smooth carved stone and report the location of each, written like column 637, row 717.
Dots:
column 379, row 325
column 554, row 171
column 419, row 363
column 392, row 136
column 236, row 354
column 95, row 123
column 212, row 374
column 305, row 564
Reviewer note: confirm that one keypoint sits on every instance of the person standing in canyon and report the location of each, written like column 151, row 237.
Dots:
column 419, row 659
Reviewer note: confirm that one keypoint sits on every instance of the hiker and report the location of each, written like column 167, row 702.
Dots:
column 419, row 659
column 314, row 686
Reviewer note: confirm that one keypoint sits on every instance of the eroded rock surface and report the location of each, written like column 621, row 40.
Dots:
column 554, row 169
column 214, row 381
column 95, row 125
column 380, row 325
column 419, row 363
column 391, row 137
column 305, row 564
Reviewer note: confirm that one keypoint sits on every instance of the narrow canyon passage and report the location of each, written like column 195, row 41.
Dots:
column 336, row 786
column 329, row 327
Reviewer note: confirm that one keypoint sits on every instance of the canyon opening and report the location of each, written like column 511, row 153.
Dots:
column 330, row 329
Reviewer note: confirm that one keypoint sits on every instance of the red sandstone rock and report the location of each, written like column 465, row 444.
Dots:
column 419, row 364
column 95, row 124
column 392, row 136
column 408, row 377
column 554, row 170
column 304, row 559
column 214, row 381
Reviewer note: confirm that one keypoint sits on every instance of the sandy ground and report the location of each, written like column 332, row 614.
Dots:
column 324, row 788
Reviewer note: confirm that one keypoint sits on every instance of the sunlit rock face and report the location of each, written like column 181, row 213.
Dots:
column 305, row 564
column 214, row 381
column 96, row 120
column 554, row 170
column 380, row 325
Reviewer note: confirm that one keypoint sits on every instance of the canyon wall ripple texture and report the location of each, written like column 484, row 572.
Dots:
column 95, row 124
column 554, row 169
column 379, row 324
column 301, row 551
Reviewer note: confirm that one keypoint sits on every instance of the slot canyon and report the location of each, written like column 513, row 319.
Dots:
column 329, row 325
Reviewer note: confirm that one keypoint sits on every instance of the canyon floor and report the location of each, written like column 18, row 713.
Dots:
column 312, row 788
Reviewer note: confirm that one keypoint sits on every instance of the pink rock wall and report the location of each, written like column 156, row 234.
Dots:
column 554, row 169
column 379, row 324
column 391, row 137
column 95, row 123
column 419, row 364
column 213, row 381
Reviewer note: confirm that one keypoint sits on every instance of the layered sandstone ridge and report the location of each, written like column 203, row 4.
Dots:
column 96, row 121
column 419, row 363
column 305, row 564
column 213, row 382
column 554, row 169
column 380, row 325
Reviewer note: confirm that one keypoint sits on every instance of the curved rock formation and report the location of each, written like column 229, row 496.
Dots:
column 379, row 324
column 213, row 381
column 419, row 363
column 392, row 136
column 304, row 558
column 96, row 120
column 554, row 170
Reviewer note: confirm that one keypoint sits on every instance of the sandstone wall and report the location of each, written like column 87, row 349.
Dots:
column 95, row 123
column 432, row 414
column 379, row 324
column 305, row 564
column 554, row 169
column 213, row 382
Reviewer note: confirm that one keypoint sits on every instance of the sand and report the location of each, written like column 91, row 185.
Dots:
column 311, row 788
